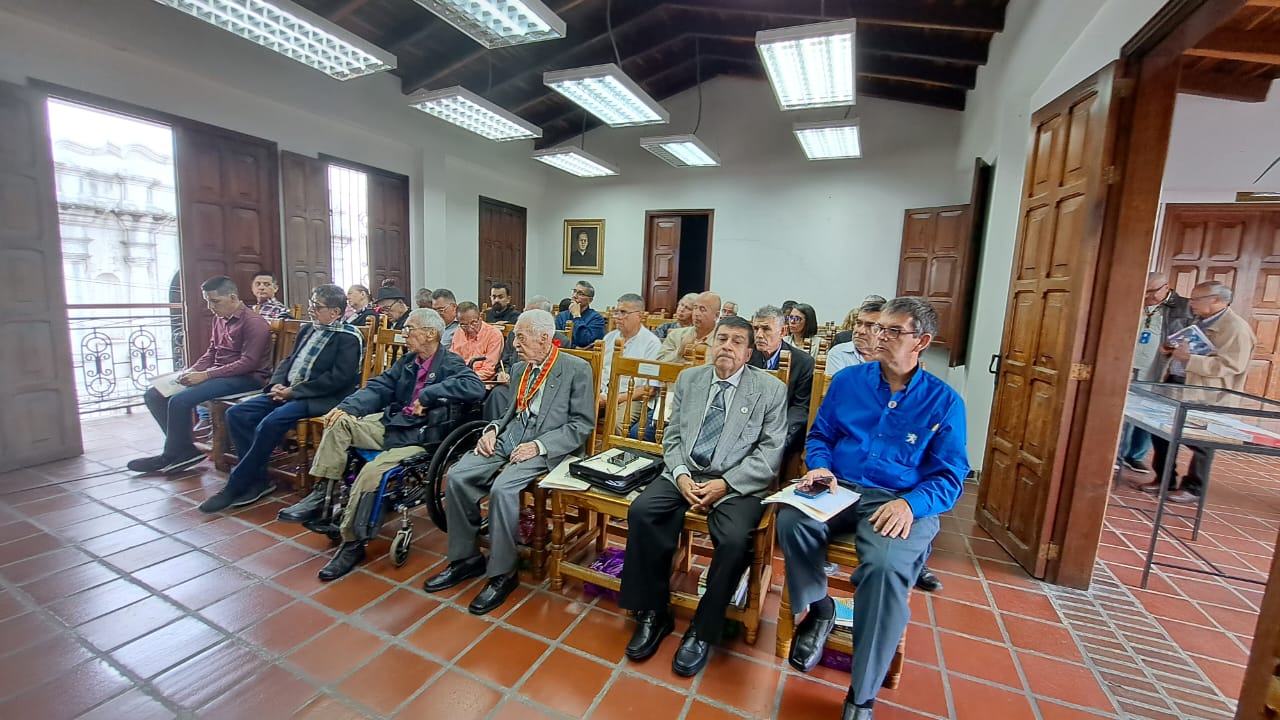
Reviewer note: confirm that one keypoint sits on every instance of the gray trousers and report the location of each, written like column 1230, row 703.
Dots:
column 469, row 481
column 887, row 568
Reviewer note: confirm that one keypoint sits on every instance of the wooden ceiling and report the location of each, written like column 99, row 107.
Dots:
column 1240, row 59
column 918, row 51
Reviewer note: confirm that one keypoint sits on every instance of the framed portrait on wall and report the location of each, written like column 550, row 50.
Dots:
column 584, row 247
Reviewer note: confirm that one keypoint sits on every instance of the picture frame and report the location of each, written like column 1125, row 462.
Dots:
column 584, row 258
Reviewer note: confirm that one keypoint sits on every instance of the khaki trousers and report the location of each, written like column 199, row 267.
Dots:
column 365, row 433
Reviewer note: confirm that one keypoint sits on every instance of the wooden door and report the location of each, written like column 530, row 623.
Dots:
column 1238, row 246
column 662, row 263
column 38, row 416
column 502, row 248
column 308, row 255
column 935, row 245
column 1043, row 364
column 389, row 231
column 228, row 214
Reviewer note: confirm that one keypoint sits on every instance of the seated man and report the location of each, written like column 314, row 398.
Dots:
column 390, row 302
column 848, row 335
column 500, row 396
column 768, row 324
column 896, row 434
column 501, row 309
column 706, row 310
column 729, row 308
column 444, row 302
column 552, row 415
column 722, row 450
column 389, row 414
column 860, row 348
column 683, row 318
column 265, row 288
column 635, row 341
column 478, row 340
column 238, row 360
column 323, row 368
column 588, row 325
column 422, row 298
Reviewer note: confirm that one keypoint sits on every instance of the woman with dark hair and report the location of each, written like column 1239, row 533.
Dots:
column 564, row 305
column 359, row 306
column 802, row 328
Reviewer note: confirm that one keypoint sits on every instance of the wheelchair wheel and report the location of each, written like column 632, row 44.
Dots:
column 400, row 546
column 461, row 441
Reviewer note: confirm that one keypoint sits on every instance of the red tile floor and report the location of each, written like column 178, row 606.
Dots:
column 121, row 600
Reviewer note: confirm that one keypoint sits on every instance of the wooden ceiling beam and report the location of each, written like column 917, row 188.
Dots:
column 341, row 12
column 1259, row 46
column 1263, row 3
column 936, row 16
column 1224, row 86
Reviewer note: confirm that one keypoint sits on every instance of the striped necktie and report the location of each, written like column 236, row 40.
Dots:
column 709, row 436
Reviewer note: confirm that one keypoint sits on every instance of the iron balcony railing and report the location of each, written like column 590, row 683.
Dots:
column 117, row 350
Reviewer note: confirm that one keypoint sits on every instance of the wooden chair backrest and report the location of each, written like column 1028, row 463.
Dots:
column 820, row 384
column 286, row 335
column 568, row 329
column 783, row 372
column 595, row 356
column 695, row 353
column 385, row 348
column 653, row 320
column 625, row 374
column 505, row 328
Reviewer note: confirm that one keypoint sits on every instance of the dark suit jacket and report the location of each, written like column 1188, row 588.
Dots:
column 449, row 380
column 843, row 336
column 361, row 318
column 509, row 315
column 334, row 374
column 509, row 355
column 799, row 390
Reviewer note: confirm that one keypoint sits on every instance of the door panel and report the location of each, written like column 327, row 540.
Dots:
column 662, row 267
column 228, row 211
column 308, row 253
column 389, row 231
column 503, row 237
column 1063, row 203
column 38, row 416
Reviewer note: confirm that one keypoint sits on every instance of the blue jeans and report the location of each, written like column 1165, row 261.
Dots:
column 650, row 430
column 256, row 426
column 173, row 414
column 1135, row 443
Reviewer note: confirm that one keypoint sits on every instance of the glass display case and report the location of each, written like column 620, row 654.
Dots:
column 1210, row 419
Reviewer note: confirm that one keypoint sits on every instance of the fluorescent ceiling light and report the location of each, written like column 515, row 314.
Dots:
column 681, row 150
column 575, row 162
column 469, row 111
column 606, row 92
column 810, row 66
column 829, row 140
column 294, row 32
column 499, row 23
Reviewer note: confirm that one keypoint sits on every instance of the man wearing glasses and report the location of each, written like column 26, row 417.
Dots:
column 391, row 303
column 477, row 340
column 588, row 325
column 636, row 341
column 323, row 368
column 444, row 303
column 894, row 433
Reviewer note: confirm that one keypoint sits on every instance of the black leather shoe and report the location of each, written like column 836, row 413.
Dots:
column 457, row 572
column 344, row 561
column 853, row 712
column 651, row 627
column 927, row 581
column 691, row 656
column 809, row 641
column 493, row 594
column 308, row 508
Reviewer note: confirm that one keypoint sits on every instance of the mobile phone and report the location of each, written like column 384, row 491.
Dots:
column 622, row 458
column 815, row 492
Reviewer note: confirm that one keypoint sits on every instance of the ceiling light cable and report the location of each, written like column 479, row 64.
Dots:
column 697, row 69
column 608, row 22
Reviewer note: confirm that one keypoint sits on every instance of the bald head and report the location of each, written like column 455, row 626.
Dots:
column 706, row 310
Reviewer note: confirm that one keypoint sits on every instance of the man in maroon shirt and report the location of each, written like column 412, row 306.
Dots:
column 238, row 360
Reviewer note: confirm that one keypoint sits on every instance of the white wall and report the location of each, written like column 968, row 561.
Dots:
column 143, row 53
column 827, row 233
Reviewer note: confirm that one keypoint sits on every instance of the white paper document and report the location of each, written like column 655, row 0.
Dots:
column 821, row 508
column 560, row 479
column 167, row 385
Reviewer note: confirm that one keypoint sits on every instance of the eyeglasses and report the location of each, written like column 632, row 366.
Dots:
column 1202, row 297
column 795, row 318
column 625, row 313
column 576, row 292
column 317, row 306
column 892, row 333
column 1156, row 289
column 473, row 324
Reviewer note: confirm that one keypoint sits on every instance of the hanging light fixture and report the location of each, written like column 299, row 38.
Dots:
column 606, row 92
column 810, row 66
column 575, row 161
column 294, row 32
column 499, row 23
column 469, row 111
column 830, row 140
column 685, row 150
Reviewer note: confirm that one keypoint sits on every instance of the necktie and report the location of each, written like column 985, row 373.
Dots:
column 705, row 446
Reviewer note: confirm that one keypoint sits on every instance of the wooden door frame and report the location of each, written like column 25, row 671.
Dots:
column 648, row 241
column 483, row 292
column 1150, row 64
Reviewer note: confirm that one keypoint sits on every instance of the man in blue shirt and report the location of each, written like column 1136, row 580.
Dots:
column 896, row 434
column 588, row 325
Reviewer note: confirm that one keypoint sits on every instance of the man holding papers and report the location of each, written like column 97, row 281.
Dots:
column 722, row 448
column 896, row 434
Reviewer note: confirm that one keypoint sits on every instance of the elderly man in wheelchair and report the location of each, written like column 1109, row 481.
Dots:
column 401, row 414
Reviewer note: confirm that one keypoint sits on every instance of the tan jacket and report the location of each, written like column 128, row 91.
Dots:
column 673, row 346
column 1228, row 365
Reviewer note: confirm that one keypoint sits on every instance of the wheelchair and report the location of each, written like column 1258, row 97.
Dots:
column 452, row 431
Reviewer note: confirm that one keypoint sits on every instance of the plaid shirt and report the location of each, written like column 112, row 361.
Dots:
column 273, row 309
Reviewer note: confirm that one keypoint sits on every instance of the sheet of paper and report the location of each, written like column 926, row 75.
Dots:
column 167, row 385
column 560, row 479
column 821, row 508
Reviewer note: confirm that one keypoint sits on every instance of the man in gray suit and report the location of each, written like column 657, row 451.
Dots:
column 551, row 415
column 722, row 449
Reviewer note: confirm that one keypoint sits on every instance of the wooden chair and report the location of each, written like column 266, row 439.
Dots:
column 284, row 333
column 570, row 546
column 842, row 552
column 653, row 320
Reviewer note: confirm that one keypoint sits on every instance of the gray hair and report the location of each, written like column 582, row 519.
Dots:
column 422, row 296
column 540, row 322
column 467, row 305
column 689, row 299
column 541, row 301
column 631, row 298
column 444, row 294
column 427, row 318
column 924, row 319
column 873, row 304
column 588, row 287
column 1214, row 287
column 768, row 312
column 331, row 296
